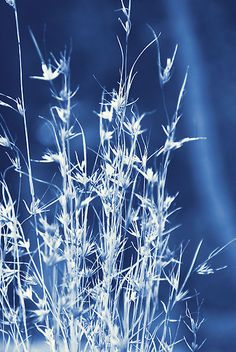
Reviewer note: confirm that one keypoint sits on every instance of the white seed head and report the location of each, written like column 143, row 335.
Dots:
column 4, row 142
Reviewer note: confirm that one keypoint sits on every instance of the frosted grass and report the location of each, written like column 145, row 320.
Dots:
column 101, row 274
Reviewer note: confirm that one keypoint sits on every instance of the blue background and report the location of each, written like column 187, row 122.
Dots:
column 203, row 172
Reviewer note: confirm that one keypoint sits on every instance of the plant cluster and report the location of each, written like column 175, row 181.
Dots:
column 99, row 274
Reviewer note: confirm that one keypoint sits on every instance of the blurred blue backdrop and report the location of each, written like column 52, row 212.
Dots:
column 203, row 172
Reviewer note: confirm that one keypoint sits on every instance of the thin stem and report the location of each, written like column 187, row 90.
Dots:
column 31, row 184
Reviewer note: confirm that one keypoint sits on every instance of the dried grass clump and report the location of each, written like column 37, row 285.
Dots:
column 100, row 274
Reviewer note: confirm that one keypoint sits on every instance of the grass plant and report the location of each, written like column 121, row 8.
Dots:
column 99, row 274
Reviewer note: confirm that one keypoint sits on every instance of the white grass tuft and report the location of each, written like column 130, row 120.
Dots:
column 99, row 273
